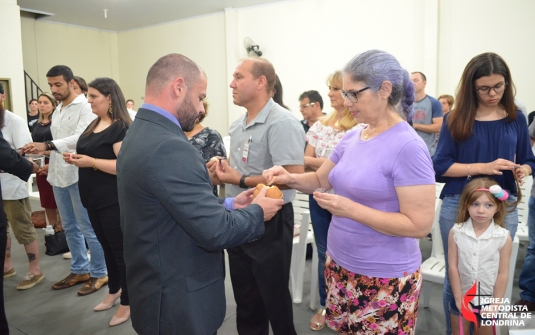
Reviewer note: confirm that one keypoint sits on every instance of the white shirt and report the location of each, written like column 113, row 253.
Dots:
column 68, row 123
column 479, row 258
column 132, row 113
column 16, row 133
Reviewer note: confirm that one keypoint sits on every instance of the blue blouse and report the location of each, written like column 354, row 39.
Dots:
column 490, row 140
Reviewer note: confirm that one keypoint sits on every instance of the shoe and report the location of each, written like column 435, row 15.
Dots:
column 93, row 285
column 315, row 326
column 115, row 321
column 105, row 306
column 429, row 237
column 67, row 255
column 10, row 273
column 30, row 281
column 530, row 305
column 71, row 280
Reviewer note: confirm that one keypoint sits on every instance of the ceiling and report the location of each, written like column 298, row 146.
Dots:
column 128, row 14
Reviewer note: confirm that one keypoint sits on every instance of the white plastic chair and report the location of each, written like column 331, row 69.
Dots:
column 434, row 268
column 522, row 230
column 300, row 241
column 226, row 142
column 29, row 185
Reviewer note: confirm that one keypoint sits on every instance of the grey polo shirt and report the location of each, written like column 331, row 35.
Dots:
column 275, row 137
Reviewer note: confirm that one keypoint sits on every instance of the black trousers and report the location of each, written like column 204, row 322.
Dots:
column 260, row 272
column 106, row 223
column 4, row 328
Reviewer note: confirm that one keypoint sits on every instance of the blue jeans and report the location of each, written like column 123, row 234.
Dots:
column 321, row 219
column 526, row 282
column 448, row 216
column 77, row 226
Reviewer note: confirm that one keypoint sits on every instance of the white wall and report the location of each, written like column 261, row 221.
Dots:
column 469, row 28
column 90, row 53
column 307, row 40
column 202, row 39
column 11, row 65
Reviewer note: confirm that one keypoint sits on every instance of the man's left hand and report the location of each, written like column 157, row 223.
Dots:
column 244, row 199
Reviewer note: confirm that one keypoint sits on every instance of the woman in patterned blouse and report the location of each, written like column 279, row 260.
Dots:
column 207, row 141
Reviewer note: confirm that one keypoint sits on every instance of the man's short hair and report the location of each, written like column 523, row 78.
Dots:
column 313, row 97
column 61, row 70
column 263, row 67
column 1, row 89
column 421, row 74
column 170, row 67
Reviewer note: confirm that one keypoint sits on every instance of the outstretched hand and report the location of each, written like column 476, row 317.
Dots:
column 269, row 206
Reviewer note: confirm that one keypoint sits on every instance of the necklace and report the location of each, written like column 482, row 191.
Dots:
column 369, row 133
column 372, row 132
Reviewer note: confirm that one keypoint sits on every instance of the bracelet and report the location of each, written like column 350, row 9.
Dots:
column 95, row 165
column 469, row 176
column 242, row 181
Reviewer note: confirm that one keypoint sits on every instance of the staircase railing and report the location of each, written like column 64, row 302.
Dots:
column 32, row 89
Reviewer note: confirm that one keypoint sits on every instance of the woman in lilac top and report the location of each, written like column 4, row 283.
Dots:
column 384, row 198
column 485, row 135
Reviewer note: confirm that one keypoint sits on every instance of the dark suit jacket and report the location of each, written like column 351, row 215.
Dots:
column 174, row 230
column 12, row 162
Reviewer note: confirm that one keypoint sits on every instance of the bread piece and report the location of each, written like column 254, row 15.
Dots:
column 272, row 191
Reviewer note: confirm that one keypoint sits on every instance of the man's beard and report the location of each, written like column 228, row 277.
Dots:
column 187, row 115
column 64, row 96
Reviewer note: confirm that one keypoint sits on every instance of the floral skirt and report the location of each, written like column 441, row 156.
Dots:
column 358, row 304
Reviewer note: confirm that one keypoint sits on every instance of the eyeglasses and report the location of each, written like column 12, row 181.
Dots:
column 484, row 90
column 305, row 106
column 352, row 96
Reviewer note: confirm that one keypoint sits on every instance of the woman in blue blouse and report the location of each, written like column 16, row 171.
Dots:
column 484, row 136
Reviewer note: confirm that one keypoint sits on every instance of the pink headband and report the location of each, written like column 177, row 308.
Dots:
column 496, row 191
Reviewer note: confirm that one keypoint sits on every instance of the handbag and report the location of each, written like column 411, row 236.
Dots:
column 39, row 219
column 56, row 244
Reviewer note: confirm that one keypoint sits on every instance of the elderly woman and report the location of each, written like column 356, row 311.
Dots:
column 383, row 203
column 322, row 137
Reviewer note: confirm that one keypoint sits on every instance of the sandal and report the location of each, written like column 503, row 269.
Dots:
column 315, row 326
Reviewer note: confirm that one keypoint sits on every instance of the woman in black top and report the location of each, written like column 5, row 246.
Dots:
column 41, row 133
column 207, row 141
column 96, row 156
column 33, row 114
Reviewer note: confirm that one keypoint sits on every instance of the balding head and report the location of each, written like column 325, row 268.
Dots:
column 263, row 67
column 167, row 69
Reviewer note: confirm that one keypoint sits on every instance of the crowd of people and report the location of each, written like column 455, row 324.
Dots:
column 149, row 211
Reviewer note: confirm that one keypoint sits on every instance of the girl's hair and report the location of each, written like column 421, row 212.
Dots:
column 373, row 67
column 461, row 118
column 32, row 101
column 347, row 121
column 470, row 195
column 449, row 99
column 52, row 100
column 108, row 87
column 81, row 82
column 278, row 92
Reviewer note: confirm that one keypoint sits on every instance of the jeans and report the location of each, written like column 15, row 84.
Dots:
column 321, row 219
column 526, row 282
column 77, row 226
column 448, row 216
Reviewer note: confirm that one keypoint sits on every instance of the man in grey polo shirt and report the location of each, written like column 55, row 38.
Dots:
column 266, row 135
column 427, row 118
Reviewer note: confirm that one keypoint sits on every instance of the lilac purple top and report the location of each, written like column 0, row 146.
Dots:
column 367, row 172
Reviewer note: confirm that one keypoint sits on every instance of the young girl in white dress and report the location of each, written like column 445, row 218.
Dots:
column 479, row 251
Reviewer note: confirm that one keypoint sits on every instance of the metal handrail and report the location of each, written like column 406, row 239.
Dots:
column 30, row 90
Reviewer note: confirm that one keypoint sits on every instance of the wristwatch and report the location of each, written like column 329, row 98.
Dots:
column 242, row 181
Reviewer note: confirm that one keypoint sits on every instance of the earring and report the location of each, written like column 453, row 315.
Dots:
column 110, row 110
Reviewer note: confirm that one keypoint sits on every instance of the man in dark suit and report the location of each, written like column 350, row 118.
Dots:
column 174, row 227
column 10, row 162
